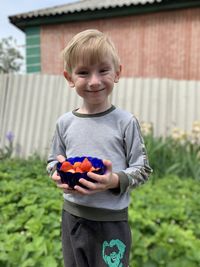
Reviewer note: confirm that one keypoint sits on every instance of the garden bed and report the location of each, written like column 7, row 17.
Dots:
column 164, row 217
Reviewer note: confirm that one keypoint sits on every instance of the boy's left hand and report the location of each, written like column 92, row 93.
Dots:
column 109, row 180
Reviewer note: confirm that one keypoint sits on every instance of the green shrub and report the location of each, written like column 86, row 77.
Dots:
column 30, row 216
column 164, row 218
column 167, row 156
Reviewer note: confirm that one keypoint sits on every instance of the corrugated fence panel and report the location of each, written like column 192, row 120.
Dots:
column 163, row 102
column 3, row 91
column 33, row 104
column 30, row 105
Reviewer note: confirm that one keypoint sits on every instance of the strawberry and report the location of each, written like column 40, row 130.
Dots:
column 86, row 165
column 71, row 170
column 66, row 166
column 78, row 169
column 92, row 169
column 77, row 164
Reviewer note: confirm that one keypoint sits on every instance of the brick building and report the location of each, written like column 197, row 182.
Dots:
column 155, row 38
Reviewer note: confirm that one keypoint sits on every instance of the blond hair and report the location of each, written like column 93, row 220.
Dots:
column 89, row 47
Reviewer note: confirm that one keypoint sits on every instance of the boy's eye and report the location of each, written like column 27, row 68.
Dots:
column 104, row 70
column 83, row 72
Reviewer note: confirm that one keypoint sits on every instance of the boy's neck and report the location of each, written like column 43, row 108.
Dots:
column 94, row 109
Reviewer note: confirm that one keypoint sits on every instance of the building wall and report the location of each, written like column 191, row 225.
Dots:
column 33, row 60
column 164, row 44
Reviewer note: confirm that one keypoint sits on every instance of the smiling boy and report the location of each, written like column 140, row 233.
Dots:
column 95, row 216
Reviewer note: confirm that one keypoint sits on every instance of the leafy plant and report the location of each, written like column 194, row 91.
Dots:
column 30, row 215
column 167, row 156
column 164, row 218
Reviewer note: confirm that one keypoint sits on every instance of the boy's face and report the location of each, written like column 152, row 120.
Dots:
column 94, row 83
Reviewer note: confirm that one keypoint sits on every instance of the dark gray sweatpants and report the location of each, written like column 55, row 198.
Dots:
column 89, row 243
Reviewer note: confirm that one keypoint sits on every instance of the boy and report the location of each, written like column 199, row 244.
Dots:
column 95, row 230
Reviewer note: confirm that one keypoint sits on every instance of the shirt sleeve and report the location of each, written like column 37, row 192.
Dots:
column 57, row 148
column 138, row 170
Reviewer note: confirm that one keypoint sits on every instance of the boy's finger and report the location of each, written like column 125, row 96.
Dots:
column 60, row 158
column 55, row 176
column 81, row 190
column 94, row 176
column 63, row 186
column 108, row 165
column 66, row 188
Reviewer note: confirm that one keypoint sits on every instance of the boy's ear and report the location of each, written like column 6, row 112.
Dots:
column 118, row 74
column 68, row 77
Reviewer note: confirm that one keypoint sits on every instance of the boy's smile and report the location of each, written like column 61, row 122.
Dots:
column 94, row 83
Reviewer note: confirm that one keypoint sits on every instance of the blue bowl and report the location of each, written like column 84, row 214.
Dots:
column 72, row 179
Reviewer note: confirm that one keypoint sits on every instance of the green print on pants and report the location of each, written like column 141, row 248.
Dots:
column 113, row 252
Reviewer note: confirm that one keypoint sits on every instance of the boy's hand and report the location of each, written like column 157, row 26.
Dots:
column 57, row 178
column 104, row 182
column 109, row 180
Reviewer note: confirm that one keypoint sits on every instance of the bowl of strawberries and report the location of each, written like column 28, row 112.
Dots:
column 72, row 169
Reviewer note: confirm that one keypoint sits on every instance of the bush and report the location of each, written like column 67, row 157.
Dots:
column 167, row 156
column 164, row 217
column 30, row 216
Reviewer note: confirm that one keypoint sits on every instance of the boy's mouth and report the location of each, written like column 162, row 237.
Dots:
column 95, row 91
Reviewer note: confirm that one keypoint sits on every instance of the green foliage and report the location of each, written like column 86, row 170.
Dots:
column 10, row 56
column 168, row 156
column 30, row 216
column 164, row 217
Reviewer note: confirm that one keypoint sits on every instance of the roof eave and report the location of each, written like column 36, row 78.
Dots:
column 23, row 23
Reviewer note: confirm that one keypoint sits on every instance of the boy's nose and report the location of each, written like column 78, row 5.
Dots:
column 94, row 80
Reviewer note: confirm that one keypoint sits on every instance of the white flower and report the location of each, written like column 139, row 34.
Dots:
column 179, row 135
column 146, row 128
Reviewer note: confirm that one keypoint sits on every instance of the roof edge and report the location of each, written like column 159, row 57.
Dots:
column 103, row 13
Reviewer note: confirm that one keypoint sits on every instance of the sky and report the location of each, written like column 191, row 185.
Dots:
column 13, row 7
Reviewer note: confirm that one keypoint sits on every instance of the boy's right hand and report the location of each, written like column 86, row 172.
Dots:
column 57, row 178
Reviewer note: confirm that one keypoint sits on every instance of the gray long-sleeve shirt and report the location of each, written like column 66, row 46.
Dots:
column 114, row 135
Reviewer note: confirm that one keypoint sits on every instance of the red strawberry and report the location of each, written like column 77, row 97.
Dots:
column 78, row 169
column 66, row 166
column 71, row 170
column 77, row 164
column 92, row 169
column 86, row 165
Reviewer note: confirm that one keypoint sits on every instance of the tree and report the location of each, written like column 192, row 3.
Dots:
column 10, row 56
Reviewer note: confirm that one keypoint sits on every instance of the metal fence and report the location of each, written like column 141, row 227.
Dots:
column 30, row 105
